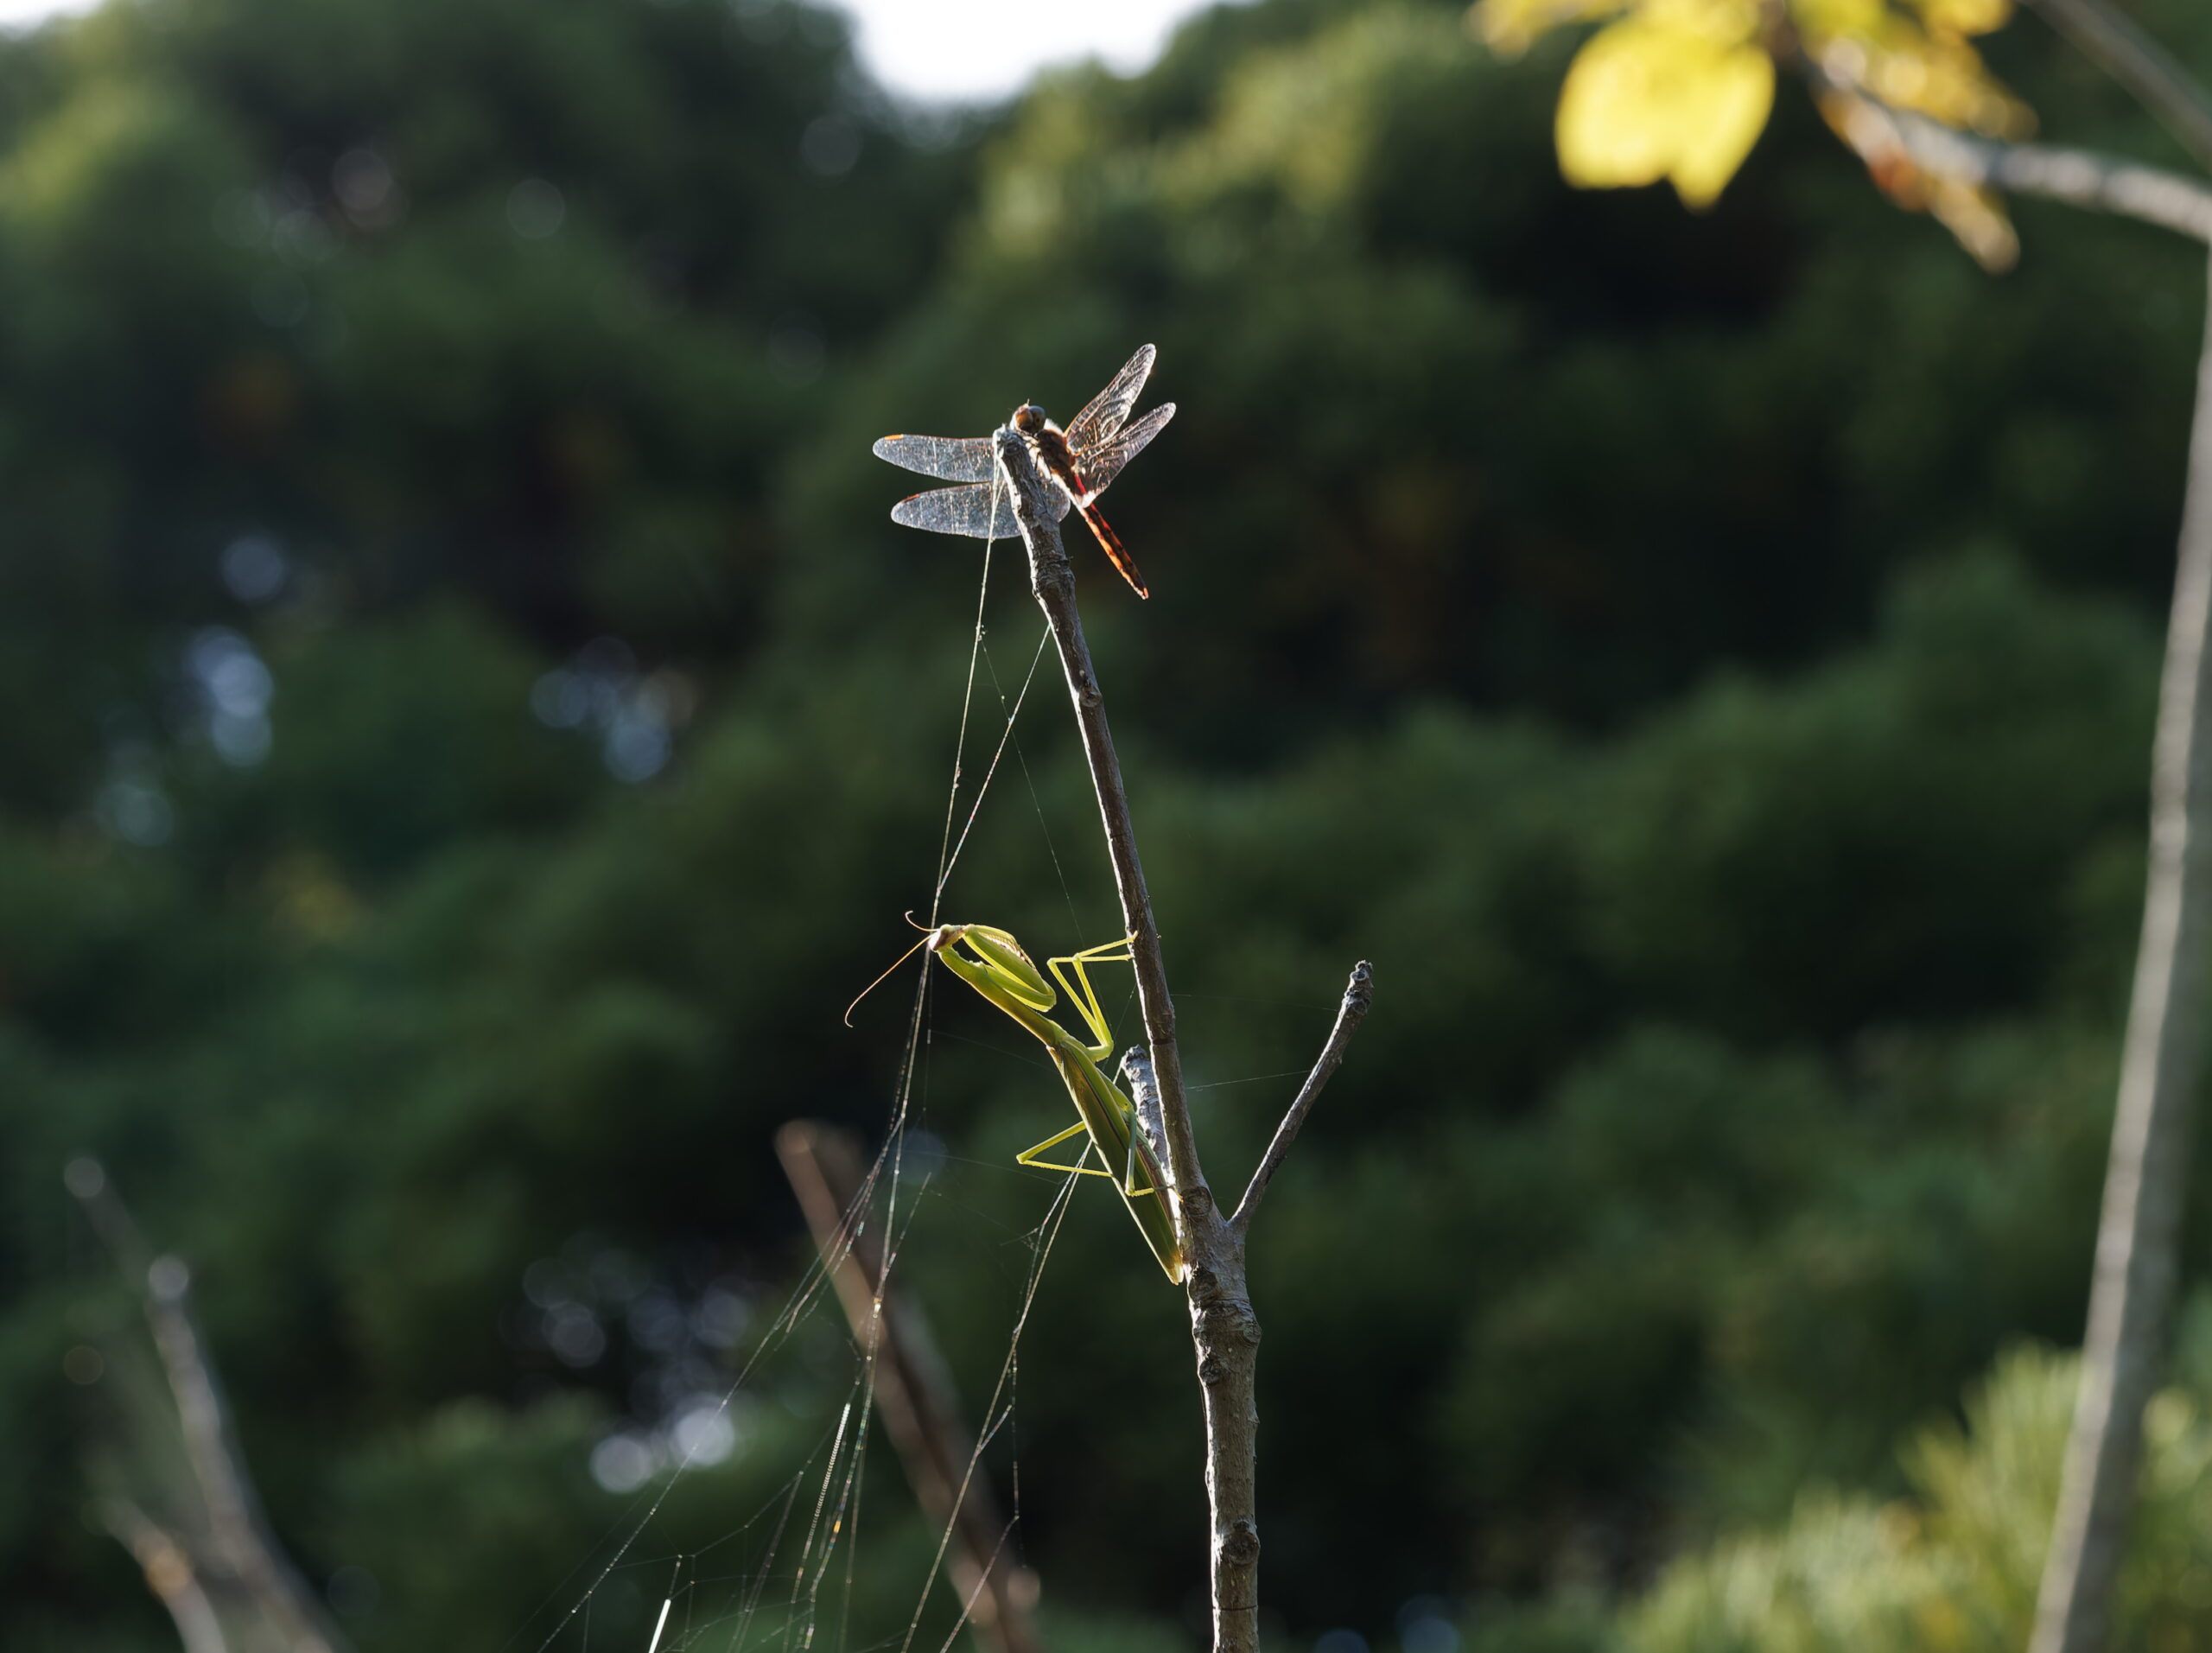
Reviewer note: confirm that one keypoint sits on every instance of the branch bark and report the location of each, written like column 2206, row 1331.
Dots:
column 234, row 1573
column 913, row 1392
column 1224, row 1331
column 2138, row 1231
column 2138, row 1235
column 169, row 1574
column 1359, row 993
column 1052, row 583
column 2080, row 178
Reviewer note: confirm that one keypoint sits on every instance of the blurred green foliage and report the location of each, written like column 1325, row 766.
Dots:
column 470, row 728
column 1955, row 1564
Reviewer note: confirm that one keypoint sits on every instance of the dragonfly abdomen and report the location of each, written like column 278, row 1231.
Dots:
column 1110, row 543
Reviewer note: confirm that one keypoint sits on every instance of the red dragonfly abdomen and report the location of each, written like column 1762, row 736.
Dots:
column 1110, row 543
column 1051, row 447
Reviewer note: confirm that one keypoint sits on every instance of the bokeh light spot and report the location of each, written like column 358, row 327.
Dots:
column 535, row 209
column 253, row 567
column 830, row 146
column 622, row 1463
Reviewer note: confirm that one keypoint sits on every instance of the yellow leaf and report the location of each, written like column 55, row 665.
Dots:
column 1964, row 16
column 1930, row 70
column 1656, row 97
column 1510, row 27
column 1834, row 19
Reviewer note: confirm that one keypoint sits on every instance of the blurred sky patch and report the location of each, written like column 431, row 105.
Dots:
column 941, row 50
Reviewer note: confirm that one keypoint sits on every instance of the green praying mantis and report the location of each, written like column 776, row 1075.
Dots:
column 992, row 961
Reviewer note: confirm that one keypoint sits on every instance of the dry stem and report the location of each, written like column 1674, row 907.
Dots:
column 1224, row 1331
column 2139, row 1232
column 1358, row 992
column 2100, row 183
column 2138, row 1235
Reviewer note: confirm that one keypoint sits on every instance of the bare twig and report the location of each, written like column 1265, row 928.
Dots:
column 914, row 1393
column 169, row 1574
column 2077, row 177
column 2139, row 1232
column 1052, row 582
column 2111, row 41
column 1357, row 993
column 2138, row 1235
column 1224, row 1331
column 226, row 1539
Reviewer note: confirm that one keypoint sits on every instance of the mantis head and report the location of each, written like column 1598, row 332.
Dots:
column 936, row 940
column 990, row 949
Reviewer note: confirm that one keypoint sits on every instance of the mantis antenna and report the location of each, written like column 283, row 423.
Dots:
column 926, row 933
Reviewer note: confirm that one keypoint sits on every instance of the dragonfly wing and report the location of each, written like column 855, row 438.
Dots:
column 956, row 459
column 1099, row 469
column 958, row 510
column 981, row 511
column 1096, row 423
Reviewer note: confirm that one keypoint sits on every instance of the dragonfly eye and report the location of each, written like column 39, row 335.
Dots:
column 1029, row 419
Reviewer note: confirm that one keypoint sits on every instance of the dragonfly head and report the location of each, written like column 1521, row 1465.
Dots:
column 1029, row 419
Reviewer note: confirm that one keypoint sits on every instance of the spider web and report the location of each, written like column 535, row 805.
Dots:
column 786, row 1575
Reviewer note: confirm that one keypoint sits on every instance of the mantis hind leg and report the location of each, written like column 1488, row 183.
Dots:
column 1083, row 995
column 1028, row 1155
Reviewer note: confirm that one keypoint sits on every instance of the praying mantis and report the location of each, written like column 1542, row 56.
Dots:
column 992, row 961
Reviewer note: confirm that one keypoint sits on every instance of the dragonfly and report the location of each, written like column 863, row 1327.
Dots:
column 1082, row 460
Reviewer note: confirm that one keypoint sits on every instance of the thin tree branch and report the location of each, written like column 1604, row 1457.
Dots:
column 2138, row 1236
column 169, row 1574
column 2077, row 177
column 1358, row 992
column 913, row 1391
column 2111, row 39
column 1224, row 1331
column 1052, row 582
column 232, row 1539
column 2139, row 1232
